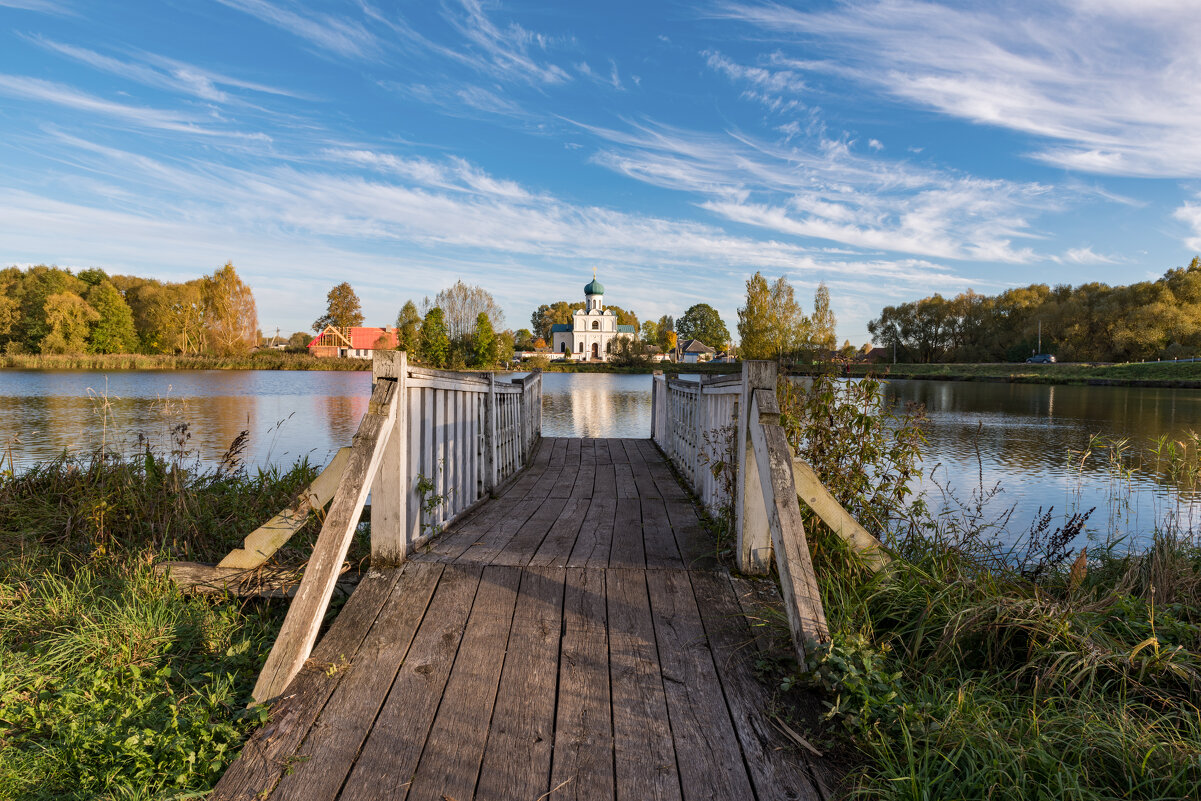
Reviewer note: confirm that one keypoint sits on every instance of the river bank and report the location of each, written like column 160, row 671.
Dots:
column 1179, row 375
column 262, row 360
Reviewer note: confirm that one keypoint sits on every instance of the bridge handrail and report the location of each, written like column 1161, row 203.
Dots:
column 735, row 421
column 432, row 445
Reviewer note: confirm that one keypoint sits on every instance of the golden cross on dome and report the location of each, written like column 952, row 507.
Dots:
column 593, row 273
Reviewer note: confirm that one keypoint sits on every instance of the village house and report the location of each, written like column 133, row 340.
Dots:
column 691, row 351
column 591, row 330
column 352, row 342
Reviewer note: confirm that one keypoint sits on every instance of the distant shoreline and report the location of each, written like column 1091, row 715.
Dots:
column 277, row 360
column 1166, row 375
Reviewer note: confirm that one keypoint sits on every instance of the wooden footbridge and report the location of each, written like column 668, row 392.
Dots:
column 543, row 618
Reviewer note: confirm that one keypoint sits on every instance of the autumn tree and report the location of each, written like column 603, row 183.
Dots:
column 771, row 323
column 433, row 341
column 113, row 330
column 483, row 342
column 408, row 327
column 343, row 309
column 68, row 319
column 702, row 322
column 229, row 313
column 666, row 332
column 823, row 321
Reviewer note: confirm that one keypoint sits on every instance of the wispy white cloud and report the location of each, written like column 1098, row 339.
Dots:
column 399, row 215
column 43, row 6
column 57, row 94
column 1113, row 85
column 161, row 72
column 333, row 35
column 772, row 88
column 1190, row 215
column 1085, row 255
column 505, row 51
column 821, row 188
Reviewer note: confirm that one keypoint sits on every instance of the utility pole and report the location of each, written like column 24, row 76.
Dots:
column 1040, row 336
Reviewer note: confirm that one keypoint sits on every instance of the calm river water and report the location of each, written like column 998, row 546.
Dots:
column 1023, row 437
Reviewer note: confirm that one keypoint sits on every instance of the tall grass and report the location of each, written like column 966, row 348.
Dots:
column 112, row 683
column 972, row 669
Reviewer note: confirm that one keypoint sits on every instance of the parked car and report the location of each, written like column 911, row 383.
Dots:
column 1042, row 358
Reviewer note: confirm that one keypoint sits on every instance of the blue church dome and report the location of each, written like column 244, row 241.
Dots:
column 594, row 287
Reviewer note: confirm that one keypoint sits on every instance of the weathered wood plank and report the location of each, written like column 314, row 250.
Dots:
column 450, row 763
column 585, row 478
column 629, row 546
column 391, row 753
column 595, row 538
column 517, row 761
column 697, row 547
column 605, row 484
column 328, row 753
column 627, row 487
column 262, row 543
column 815, row 495
column 707, row 749
column 798, row 583
column 583, row 753
column 267, row 754
column 777, row 767
column 299, row 631
column 660, row 542
column 559, row 542
column 525, row 542
column 644, row 753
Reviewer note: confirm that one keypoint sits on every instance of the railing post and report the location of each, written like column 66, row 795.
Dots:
column 750, row 513
column 390, row 488
column 490, row 436
column 656, row 392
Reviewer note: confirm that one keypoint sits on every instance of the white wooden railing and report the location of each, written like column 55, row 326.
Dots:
column 736, row 420
column 694, row 422
column 431, row 446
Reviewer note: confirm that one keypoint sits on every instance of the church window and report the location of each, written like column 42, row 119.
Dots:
column 595, row 325
column 562, row 347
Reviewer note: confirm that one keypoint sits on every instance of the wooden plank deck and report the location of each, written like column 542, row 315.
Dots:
column 572, row 639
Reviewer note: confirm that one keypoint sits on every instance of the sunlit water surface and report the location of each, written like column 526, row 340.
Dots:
column 1026, row 439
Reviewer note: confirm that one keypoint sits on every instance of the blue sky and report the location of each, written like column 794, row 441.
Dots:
column 890, row 149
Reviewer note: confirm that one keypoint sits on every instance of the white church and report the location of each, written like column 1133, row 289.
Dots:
column 592, row 328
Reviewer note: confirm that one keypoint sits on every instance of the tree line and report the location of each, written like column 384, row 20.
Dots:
column 47, row 309
column 1158, row 319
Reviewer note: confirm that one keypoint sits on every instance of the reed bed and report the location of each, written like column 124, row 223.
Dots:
column 262, row 360
column 1060, row 667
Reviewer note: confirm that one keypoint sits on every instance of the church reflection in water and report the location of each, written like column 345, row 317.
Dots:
column 596, row 405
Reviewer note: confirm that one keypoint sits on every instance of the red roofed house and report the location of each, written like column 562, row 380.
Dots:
column 356, row 342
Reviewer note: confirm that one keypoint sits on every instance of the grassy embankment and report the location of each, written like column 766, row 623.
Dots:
column 262, row 360
column 963, row 671
column 972, row 670
column 112, row 683
column 1156, row 374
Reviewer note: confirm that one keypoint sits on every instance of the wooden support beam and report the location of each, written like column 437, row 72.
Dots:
column 391, row 486
column 262, row 543
column 815, row 495
column 798, row 582
column 750, row 515
column 299, row 632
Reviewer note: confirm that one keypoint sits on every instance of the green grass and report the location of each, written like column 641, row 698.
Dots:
column 1170, row 374
column 262, row 360
column 112, row 683
column 969, row 669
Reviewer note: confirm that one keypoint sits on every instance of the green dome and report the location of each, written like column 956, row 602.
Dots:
column 594, row 287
